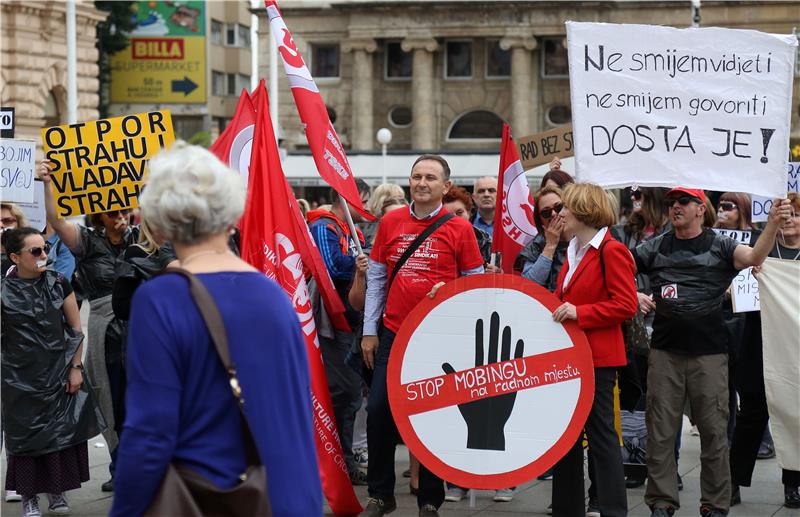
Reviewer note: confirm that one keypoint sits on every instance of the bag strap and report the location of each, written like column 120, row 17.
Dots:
column 216, row 328
column 603, row 262
column 416, row 244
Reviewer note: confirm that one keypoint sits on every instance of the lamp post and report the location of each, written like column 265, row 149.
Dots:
column 384, row 136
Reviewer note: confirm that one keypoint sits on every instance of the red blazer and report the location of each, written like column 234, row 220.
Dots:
column 602, row 304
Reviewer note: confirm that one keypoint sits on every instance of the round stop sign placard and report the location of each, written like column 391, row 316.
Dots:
column 486, row 389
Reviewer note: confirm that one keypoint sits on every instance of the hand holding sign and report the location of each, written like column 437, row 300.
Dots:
column 486, row 418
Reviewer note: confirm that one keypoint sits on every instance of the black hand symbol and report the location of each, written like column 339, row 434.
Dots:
column 486, row 418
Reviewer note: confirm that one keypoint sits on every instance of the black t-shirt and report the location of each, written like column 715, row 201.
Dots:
column 689, row 278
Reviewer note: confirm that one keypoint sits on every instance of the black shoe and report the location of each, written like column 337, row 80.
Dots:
column 680, row 483
column 358, row 478
column 791, row 497
column 378, row 507
column 412, row 490
column 593, row 508
column 710, row 511
column 407, row 473
column 632, row 482
column 663, row 512
column 766, row 451
column 736, row 496
column 428, row 510
column 108, row 486
column 547, row 475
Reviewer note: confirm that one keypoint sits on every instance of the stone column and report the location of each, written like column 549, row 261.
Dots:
column 523, row 108
column 423, row 108
column 363, row 135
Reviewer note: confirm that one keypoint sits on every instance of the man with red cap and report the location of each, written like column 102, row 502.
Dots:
column 690, row 268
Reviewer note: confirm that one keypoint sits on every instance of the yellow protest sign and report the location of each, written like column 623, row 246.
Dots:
column 101, row 165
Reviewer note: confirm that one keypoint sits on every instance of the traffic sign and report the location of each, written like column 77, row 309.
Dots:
column 165, row 61
column 486, row 389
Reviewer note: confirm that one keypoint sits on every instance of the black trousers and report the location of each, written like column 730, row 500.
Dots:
column 753, row 413
column 609, row 476
column 383, row 437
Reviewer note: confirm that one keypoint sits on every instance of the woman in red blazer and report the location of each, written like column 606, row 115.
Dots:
column 599, row 296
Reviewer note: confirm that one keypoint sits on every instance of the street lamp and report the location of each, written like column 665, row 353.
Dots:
column 384, row 136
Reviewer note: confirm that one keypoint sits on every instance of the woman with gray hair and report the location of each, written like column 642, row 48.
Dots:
column 180, row 407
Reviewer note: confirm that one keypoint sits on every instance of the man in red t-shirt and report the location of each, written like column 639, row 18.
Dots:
column 449, row 252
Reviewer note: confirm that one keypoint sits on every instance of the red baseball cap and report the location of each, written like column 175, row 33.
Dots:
column 694, row 192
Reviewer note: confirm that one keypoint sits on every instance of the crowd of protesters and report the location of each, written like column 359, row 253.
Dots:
column 154, row 385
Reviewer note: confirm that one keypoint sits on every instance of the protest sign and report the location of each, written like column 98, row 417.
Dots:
column 16, row 170
column 7, row 122
column 481, row 410
column 744, row 288
column 762, row 205
column 101, row 165
column 35, row 212
column 648, row 108
column 542, row 147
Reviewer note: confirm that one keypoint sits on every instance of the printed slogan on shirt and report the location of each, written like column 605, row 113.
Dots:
column 100, row 166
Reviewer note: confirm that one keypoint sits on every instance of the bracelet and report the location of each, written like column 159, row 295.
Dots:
column 78, row 366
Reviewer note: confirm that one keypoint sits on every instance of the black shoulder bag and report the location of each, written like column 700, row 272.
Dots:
column 416, row 244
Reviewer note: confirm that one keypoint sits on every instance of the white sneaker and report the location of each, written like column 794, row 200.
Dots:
column 504, row 495
column 454, row 494
column 30, row 507
column 12, row 496
column 361, row 457
column 58, row 504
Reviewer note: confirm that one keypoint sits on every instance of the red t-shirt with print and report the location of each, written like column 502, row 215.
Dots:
column 452, row 248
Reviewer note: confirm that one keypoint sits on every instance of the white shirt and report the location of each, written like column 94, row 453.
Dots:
column 576, row 254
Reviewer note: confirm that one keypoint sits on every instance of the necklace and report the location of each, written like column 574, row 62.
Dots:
column 202, row 253
column 778, row 247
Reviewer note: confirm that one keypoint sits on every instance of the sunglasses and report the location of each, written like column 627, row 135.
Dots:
column 683, row 200
column 727, row 206
column 38, row 250
column 9, row 220
column 547, row 213
column 115, row 213
column 637, row 195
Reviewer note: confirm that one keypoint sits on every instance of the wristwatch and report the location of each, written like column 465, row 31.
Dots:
column 78, row 366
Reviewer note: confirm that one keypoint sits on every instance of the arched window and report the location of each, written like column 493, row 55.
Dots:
column 55, row 107
column 477, row 125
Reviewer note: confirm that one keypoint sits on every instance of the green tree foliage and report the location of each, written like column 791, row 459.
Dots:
column 111, row 38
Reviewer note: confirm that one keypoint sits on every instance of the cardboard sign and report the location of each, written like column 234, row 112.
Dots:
column 540, row 148
column 17, row 162
column 7, row 122
column 761, row 205
column 486, row 389
column 649, row 107
column 101, row 165
column 35, row 212
column 165, row 61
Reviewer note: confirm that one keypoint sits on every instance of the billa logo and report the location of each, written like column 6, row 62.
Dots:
column 157, row 48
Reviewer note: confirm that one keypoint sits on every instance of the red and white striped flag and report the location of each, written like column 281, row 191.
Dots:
column 323, row 141
column 514, row 226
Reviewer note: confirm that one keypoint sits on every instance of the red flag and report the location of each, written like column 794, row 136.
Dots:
column 513, row 216
column 328, row 153
column 272, row 242
column 234, row 144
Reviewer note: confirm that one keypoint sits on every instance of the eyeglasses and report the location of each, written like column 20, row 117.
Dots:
column 683, row 200
column 38, row 250
column 727, row 206
column 9, row 220
column 547, row 213
column 637, row 195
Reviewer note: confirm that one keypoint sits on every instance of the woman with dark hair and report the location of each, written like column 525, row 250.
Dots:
column 48, row 413
column 734, row 211
column 556, row 178
column 543, row 257
column 12, row 217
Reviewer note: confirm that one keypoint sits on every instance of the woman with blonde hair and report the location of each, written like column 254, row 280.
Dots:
column 383, row 193
column 598, row 292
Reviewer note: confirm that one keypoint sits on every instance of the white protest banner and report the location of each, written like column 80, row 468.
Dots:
column 16, row 170
column 486, row 389
column 761, row 205
column 34, row 212
column 744, row 288
column 704, row 108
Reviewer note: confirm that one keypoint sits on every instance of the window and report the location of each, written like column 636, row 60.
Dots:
column 458, row 63
column 400, row 116
column 218, row 86
column 324, row 60
column 216, row 32
column 398, row 64
column 498, row 61
column 52, row 114
column 230, row 34
column 554, row 58
column 477, row 125
column 244, row 36
column 331, row 114
column 559, row 115
column 243, row 83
